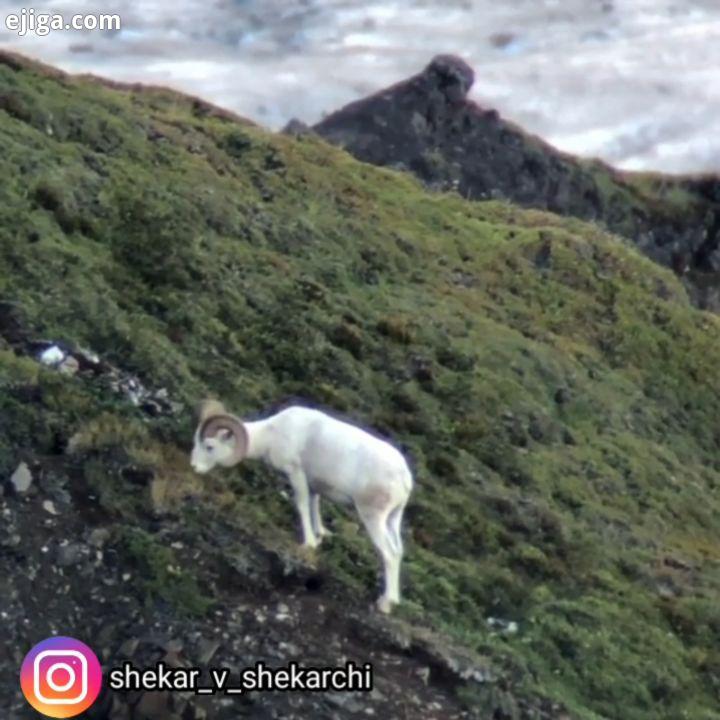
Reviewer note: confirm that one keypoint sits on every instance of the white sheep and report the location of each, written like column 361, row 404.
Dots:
column 321, row 456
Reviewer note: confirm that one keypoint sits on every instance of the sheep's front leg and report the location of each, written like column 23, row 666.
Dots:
column 320, row 530
column 301, row 491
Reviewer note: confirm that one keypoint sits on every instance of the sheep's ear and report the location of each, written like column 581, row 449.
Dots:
column 209, row 408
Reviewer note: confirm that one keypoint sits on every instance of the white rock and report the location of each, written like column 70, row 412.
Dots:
column 69, row 366
column 89, row 355
column 52, row 355
column 49, row 506
column 21, row 478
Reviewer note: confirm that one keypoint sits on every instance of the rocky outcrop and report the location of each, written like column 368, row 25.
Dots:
column 428, row 126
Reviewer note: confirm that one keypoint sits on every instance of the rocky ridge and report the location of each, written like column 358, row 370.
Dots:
column 426, row 125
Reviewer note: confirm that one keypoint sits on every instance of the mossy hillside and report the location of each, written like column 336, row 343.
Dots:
column 555, row 390
column 630, row 199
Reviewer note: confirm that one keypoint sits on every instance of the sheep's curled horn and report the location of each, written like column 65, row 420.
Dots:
column 214, row 417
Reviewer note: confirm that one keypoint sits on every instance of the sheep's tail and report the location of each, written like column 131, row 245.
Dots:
column 407, row 480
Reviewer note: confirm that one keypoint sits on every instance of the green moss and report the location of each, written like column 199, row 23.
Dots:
column 560, row 410
column 160, row 574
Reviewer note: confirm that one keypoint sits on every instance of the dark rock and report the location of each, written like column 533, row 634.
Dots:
column 206, row 651
column 119, row 710
column 451, row 75
column 297, row 128
column 98, row 537
column 174, row 645
column 151, row 407
column 345, row 700
column 137, row 475
column 426, row 125
column 88, row 360
column 128, row 648
column 152, row 706
column 69, row 554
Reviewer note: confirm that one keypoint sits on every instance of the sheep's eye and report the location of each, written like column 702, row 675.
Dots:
column 209, row 448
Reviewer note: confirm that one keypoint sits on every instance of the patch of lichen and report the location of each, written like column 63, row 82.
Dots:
column 555, row 390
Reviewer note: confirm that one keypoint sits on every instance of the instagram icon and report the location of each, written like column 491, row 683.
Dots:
column 61, row 677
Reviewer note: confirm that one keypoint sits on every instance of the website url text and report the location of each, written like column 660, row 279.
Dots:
column 28, row 21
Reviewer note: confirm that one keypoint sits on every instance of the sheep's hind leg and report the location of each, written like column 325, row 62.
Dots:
column 376, row 524
column 394, row 524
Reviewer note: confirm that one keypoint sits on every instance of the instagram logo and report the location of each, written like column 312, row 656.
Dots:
column 61, row 677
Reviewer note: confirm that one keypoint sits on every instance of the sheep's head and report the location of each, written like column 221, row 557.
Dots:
column 220, row 438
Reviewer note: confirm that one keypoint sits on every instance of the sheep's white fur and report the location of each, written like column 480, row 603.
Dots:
column 324, row 456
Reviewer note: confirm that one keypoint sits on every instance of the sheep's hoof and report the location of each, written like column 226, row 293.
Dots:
column 385, row 605
column 308, row 554
column 324, row 533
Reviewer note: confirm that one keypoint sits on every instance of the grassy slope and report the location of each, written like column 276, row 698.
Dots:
column 557, row 392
